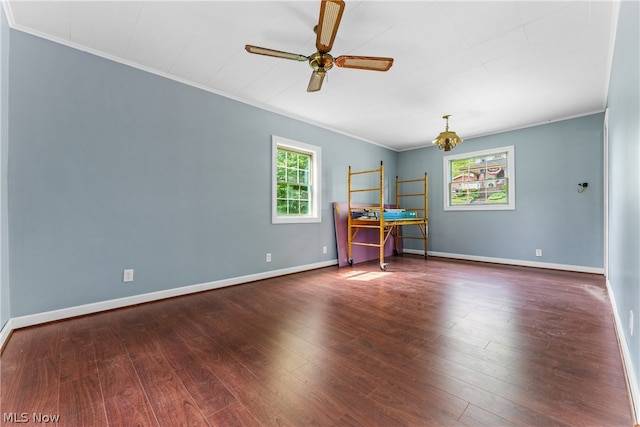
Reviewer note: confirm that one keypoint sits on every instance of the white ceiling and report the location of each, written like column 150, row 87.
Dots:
column 493, row 66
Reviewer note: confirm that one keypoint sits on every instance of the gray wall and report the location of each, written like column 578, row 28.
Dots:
column 624, row 177
column 5, row 312
column 113, row 168
column 550, row 214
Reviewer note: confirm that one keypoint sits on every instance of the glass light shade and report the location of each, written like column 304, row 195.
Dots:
column 447, row 139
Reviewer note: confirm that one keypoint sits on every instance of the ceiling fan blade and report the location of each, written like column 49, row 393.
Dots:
column 364, row 62
column 275, row 53
column 316, row 81
column 330, row 15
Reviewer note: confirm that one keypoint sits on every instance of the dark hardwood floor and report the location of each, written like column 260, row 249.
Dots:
column 427, row 342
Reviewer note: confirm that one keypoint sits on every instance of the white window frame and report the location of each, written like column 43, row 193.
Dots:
column 315, row 214
column 511, row 184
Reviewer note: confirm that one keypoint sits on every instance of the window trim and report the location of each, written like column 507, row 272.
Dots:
column 315, row 181
column 511, row 187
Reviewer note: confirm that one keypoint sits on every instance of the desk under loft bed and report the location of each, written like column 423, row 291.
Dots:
column 387, row 222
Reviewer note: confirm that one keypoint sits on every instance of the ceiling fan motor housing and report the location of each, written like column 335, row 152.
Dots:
column 321, row 61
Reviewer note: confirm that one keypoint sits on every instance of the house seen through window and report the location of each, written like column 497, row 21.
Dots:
column 480, row 180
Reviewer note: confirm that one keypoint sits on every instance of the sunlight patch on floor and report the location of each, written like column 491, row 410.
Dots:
column 597, row 292
column 367, row 276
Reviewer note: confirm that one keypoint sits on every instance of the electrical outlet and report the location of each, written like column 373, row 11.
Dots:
column 128, row 275
column 538, row 252
column 324, row 249
column 631, row 322
column 268, row 257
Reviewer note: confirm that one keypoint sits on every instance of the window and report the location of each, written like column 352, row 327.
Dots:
column 482, row 180
column 296, row 182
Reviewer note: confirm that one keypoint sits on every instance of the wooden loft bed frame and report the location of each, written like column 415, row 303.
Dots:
column 386, row 222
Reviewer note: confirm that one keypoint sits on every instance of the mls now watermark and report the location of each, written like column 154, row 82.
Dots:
column 34, row 417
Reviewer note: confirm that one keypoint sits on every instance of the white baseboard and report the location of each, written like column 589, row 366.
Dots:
column 627, row 362
column 523, row 263
column 5, row 332
column 81, row 310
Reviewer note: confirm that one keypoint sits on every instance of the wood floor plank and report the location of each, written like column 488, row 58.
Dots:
column 495, row 396
column 125, row 400
column 234, row 415
column 475, row 416
column 312, row 400
column 169, row 399
column 82, row 402
column 428, row 404
column 264, row 361
column 341, row 366
column 527, row 401
column 260, row 401
column 362, row 410
column 78, row 362
column 200, row 382
column 36, row 390
column 427, row 342
column 347, row 421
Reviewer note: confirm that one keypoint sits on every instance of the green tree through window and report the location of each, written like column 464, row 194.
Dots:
column 293, row 184
column 296, row 184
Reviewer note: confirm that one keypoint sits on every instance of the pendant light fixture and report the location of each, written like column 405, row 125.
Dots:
column 447, row 140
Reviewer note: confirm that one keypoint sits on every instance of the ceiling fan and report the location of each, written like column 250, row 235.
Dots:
column 321, row 61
